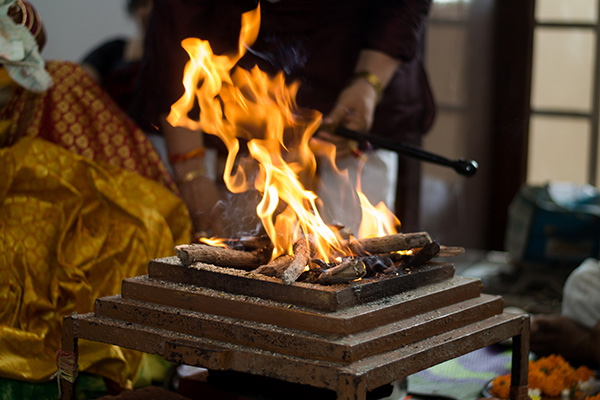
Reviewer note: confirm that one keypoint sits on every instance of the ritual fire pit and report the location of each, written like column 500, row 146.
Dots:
column 348, row 337
column 311, row 304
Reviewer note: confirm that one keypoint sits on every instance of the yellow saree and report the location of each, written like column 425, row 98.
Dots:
column 85, row 203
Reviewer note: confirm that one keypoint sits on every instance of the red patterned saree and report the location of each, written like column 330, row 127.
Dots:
column 85, row 202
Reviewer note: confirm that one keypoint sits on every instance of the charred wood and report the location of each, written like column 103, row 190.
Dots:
column 275, row 267
column 317, row 263
column 298, row 265
column 427, row 253
column 247, row 242
column 347, row 271
column 397, row 242
column 246, row 260
column 315, row 269
column 447, row 251
column 379, row 263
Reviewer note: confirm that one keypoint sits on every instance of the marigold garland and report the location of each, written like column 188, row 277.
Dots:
column 551, row 375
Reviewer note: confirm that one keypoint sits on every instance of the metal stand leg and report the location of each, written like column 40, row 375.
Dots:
column 520, row 363
column 67, row 360
column 351, row 387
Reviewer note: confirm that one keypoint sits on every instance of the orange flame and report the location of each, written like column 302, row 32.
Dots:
column 376, row 220
column 239, row 104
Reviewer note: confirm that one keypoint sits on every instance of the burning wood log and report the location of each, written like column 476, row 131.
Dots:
column 447, row 251
column 315, row 269
column 380, row 262
column 248, row 242
column 317, row 263
column 298, row 265
column 349, row 270
column 425, row 254
column 373, row 255
column 390, row 243
column 275, row 267
column 246, row 260
column 355, row 246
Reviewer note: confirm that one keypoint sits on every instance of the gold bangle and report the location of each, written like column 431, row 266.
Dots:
column 372, row 80
column 38, row 26
column 30, row 17
column 24, row 13
column 191, row 175
column 35, row 24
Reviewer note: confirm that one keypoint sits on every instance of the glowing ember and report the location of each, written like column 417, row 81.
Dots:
column 216, row 242
column 239, row 104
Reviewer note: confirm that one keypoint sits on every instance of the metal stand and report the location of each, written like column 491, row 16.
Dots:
column 356, row 345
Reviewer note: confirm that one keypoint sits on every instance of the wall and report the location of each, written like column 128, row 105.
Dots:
column 458, row 60
column 76, row 26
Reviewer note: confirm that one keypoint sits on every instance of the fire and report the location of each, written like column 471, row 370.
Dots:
column 216, row 242
column 376, row 220
column 239, row 104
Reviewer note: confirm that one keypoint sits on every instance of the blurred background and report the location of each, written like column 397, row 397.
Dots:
column 516, row 87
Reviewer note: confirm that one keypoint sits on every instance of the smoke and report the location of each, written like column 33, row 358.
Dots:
column 286, row 57
column 239, row 214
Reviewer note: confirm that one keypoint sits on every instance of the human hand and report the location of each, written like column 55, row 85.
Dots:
column 202, row 198
column 354, row 110
column 200, row 193
column 552, row 334
column 355, row 106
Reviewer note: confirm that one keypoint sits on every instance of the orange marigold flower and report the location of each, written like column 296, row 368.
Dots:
column 553, row 385
column 551, row 375
column 536, row 379
column 501, row 386
column 544, row 364
column 583, row 374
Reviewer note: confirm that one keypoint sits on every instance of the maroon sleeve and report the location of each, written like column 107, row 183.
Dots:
column 395, row 27
column 159, row 83
column 319, row 30
column 162, row 67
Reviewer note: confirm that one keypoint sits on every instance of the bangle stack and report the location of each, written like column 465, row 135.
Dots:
column 372, row 80
column 191, row 175
column 195, row 153
column 23, row 9
column 29, row 18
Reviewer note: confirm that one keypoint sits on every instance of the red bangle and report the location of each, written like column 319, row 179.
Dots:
column 36, row 22
column 195, row 153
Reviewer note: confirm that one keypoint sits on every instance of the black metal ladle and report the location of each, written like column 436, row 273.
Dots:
column 463, row 166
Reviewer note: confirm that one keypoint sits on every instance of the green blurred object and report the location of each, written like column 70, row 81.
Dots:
column 87, row 386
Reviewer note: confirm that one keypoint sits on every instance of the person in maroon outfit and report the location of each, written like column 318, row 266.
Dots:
column 357, row 62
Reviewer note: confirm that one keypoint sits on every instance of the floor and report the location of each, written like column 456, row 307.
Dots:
column 532, row 287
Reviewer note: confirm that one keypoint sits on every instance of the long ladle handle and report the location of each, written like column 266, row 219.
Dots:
column 463, row 166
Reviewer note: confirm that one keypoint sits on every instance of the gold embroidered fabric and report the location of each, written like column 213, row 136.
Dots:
column 75, row 220
column 78, row 115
